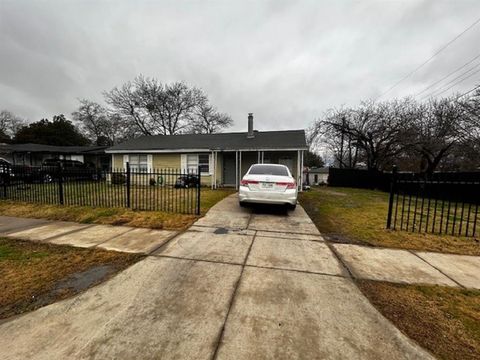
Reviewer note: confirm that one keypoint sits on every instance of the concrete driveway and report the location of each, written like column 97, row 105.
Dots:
column 237, row 285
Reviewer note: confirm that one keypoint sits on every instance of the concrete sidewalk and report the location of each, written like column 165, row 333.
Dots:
column 237, row 285
column 119, row 238
column 273, row 234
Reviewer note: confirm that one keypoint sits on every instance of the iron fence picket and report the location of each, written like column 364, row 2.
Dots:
column 443, row 203
column 151, row 190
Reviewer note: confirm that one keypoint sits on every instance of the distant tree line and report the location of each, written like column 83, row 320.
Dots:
column 143, row 106
column 440, row 134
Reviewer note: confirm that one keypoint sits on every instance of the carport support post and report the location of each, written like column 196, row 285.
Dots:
column 236, row 170
column 127, row 184
column 301, row 170
column 299, row 178
column 393, row 185
column 212, row 185
column 240, row 166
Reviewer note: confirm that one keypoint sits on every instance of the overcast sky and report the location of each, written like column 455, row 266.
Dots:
column 285, row 61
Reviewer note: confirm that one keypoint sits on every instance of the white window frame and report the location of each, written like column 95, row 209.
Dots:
column 190, row 163
column 141, row 165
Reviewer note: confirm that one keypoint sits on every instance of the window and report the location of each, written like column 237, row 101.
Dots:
column 194, row 161
column 138, row 163
column 204, row 162
column 269, row 170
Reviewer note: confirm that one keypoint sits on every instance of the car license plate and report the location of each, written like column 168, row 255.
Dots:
column 267, row 185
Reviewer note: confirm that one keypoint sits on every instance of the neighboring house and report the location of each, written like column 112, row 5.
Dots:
column 35, row 154
column 223, row 157
column 316, row 176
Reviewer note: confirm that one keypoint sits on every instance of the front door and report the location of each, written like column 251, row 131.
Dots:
column 229, row 168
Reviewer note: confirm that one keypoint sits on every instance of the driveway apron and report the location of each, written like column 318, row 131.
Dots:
column 237, row 285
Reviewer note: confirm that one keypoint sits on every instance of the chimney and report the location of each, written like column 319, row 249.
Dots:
column 250, row 126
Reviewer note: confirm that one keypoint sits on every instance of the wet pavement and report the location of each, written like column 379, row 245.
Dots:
column 237, row 285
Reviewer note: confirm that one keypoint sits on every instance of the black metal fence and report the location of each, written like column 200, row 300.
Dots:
column 359, row 178
column 444, row 203
column 170, row 190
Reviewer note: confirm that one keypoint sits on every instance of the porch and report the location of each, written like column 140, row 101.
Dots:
column 230, row 166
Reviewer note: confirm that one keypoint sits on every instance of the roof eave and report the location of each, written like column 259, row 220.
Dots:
column 166, row 151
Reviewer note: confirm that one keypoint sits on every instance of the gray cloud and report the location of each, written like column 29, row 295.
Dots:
column 286, row 61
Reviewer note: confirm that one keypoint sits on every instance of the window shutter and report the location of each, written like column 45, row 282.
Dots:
column 183, row 162
column 125, row 160
column 150, row 162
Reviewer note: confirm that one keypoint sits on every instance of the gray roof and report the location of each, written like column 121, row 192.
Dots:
column 288, row 139
column 41, row 148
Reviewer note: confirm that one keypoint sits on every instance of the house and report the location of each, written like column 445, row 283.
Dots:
column 316, row 176
column 36, row 154
column 223, row 157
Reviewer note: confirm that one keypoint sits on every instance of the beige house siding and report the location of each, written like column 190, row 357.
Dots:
column 170, row 161
column 248, row 158
column 167, row 161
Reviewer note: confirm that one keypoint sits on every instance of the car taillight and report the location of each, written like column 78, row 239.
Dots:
column 248, row 182
column 289, row 185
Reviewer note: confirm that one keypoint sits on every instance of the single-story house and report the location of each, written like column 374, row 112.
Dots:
column 35, row 154
column 316, row 176
column 223, row 157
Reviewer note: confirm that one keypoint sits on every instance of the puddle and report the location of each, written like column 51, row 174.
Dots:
column 83, row 280
column 220, row 231
column 75, row 283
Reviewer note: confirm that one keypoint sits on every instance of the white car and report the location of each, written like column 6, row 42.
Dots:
column 268, row 184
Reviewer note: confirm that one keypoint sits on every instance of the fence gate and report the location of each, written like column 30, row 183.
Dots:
column 444, row 203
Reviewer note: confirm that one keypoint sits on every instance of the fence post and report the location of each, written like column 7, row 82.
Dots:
column 393, row 186
column 198, row 190
column 5, row 175
column 127, row 184
column 60, row 184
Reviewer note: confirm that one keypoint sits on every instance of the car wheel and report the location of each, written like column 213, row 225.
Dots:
column 242, row 204
column 292, row 207
column 47, row 178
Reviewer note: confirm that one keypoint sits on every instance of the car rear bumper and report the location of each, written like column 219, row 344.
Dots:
column 289, row 196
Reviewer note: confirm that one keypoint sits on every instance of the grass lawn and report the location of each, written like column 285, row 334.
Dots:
column 34, row 275
column 359, row 216
column 443, row 320
column 113, row 215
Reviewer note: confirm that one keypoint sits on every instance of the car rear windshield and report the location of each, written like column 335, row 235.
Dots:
column 268, row 170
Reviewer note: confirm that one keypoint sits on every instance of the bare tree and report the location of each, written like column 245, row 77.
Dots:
column 156, row 108
column 10, row 124
column 373, row 132
column 436, row 131
column 99, row 125
column 330, row 132
column 209, row 120
column 130, row 102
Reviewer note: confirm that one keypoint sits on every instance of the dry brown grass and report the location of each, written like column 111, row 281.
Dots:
column 29, row 271
column 359, row 216
column 443, row 320
column 113, row 216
